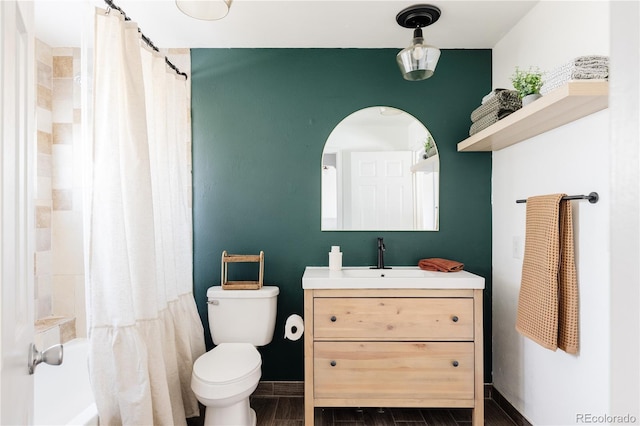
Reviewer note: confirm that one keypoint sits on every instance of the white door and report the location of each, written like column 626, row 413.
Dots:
column 381, row 190
column 17, row 179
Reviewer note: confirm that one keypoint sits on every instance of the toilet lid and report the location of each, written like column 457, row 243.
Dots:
column 227, row 362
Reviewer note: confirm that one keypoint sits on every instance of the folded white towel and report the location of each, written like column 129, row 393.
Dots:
column 592, row 64
column 590, row 58
column 580, row 68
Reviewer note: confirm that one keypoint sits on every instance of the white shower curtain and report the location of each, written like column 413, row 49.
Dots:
column 145, row 332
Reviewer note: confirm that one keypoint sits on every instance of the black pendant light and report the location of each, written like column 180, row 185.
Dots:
column 418, row 61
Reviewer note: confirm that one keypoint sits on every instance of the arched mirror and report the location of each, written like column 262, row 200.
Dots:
column 380, row 172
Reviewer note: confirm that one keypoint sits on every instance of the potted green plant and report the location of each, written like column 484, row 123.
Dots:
column 429, row 147
column 528, row 84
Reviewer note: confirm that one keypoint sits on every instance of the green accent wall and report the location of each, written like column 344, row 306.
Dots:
column 260, row 120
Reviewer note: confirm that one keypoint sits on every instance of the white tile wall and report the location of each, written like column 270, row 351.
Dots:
column 66, row 183
column 58, row 258
column 64, row 295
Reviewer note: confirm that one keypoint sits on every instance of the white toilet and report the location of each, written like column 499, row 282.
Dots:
column 225, row 377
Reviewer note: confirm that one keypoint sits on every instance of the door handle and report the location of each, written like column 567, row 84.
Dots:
column 51, row 356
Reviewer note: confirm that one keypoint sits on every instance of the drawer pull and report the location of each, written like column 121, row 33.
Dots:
column 333, row 318
column 333, row 363
column 454, row 319
column 455, row 363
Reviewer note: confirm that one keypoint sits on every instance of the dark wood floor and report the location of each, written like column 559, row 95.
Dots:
column 289, row 411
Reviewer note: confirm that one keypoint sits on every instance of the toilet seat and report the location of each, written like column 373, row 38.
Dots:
column 226, row 370
column 227, row 363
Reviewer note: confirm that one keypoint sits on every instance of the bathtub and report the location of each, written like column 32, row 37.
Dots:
column 62, row 393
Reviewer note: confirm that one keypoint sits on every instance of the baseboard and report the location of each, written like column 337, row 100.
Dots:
column 287, row 388
column 296, row 389
column 506, row 406
column 488, row 387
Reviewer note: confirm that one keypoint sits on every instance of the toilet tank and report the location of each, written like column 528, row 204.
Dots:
column 242, row 316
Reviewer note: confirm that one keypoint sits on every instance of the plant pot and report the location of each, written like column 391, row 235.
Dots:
column 429, row 153
column 530, row 98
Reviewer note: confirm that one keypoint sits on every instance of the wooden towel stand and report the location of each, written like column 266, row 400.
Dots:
column 241, row 285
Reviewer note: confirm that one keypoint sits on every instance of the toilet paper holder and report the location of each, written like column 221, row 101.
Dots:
column 293, row 327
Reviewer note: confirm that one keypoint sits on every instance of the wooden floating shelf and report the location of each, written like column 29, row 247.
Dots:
column 426, row 165
column 574, row 100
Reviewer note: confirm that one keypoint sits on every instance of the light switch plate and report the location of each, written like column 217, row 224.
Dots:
column 517, row 247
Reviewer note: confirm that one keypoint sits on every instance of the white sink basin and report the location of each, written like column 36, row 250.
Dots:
column 385, row 273
column 319, row 277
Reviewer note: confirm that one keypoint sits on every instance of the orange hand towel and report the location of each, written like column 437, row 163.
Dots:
column 548, row 300
column 442, row 265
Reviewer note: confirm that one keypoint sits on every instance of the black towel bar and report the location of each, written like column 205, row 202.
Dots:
column 592, row 197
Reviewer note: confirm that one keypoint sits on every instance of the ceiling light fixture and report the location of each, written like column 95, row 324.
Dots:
column 418, row 61
column 207, row 10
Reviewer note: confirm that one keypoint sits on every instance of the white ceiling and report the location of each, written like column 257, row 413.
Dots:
column 291, row 23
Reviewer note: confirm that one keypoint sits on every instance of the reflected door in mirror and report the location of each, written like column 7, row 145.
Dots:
column 380, row 193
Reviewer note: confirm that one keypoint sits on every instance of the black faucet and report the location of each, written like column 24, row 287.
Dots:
column 381, row 251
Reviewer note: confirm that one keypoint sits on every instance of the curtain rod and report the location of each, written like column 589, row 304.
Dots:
column 592, row 197
column 145, row 38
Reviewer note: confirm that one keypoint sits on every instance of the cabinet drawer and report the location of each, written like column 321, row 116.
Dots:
column 394, row 370
column 392, row 318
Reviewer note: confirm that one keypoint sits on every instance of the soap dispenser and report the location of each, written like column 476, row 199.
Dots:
column 335, row 259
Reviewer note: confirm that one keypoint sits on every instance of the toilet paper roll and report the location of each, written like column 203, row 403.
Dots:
column 294, row 327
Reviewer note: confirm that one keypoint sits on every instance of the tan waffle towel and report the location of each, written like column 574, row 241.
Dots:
column 548, row 302
column 441, row 265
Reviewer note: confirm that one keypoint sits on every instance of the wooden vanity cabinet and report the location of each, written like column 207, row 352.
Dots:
column 393, row 348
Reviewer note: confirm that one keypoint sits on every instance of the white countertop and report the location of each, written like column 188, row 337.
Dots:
column 320, row 277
